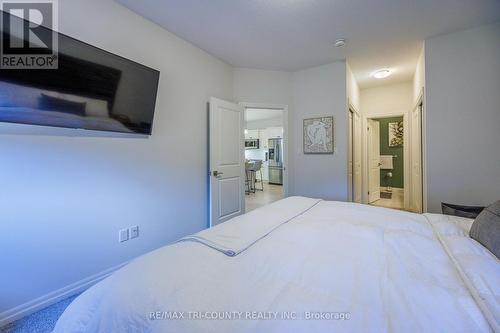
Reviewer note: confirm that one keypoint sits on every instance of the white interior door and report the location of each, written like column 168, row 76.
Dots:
column 416, row 201
column 226, row 160
column 357, row 154
column 373, row 160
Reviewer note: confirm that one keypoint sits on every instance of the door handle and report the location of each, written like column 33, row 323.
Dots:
column 217, row 173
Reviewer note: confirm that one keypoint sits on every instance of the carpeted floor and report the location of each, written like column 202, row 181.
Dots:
column 42, row 321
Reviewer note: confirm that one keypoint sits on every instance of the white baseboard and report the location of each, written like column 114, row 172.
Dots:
column 44, row 301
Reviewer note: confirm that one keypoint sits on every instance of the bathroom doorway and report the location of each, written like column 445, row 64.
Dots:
column 386, row 157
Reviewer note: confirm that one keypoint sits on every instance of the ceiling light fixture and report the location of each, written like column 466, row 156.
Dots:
column 340, row 42
column 382, row 73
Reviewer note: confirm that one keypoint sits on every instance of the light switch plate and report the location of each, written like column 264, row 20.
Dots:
column 134, row 231
column 123, row 235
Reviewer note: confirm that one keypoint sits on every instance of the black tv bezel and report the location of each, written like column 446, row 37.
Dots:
column 155, row 94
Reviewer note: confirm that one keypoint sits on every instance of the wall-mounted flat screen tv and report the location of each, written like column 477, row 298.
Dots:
column 90, row 89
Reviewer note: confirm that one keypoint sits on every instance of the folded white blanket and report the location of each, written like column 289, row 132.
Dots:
column 238, row 234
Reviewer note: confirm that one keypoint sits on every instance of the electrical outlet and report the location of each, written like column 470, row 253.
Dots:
column 134, row 231
column 123, row 235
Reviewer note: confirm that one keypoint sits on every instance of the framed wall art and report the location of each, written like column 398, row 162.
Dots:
column 318, row 135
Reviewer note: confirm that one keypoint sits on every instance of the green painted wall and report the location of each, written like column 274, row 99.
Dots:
column 397, row 179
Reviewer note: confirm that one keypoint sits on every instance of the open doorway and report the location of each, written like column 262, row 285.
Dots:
column 265, row 155
column 386, row 162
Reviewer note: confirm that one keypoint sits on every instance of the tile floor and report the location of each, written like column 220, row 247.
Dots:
column 396, row 202
column 258, row 199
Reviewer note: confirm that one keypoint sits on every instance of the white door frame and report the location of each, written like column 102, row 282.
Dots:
column 352, row 191
column 284, row 108
column 350, row 156
column 421, row 100
column 406, row 157
column 373, row 142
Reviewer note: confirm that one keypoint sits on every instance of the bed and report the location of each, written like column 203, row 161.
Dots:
column 304, row 265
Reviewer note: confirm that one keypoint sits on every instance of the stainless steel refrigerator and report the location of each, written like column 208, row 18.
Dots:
column 275, row 155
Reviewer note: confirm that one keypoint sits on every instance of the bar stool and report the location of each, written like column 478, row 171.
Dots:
column 257, row 166
column 248, row 178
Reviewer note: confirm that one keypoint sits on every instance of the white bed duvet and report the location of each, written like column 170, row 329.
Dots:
column 304, row 265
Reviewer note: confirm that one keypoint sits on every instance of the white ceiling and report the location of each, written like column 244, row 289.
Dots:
column 261, row 114
column 297, row 34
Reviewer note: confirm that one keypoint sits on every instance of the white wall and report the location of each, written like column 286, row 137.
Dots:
column 265, row 123
column 64, row 194
column 313, row 92
column 387, row 98
column 463, row 117
column 320, row 91
column 419, row 77
column 260, row 86
column 353, row 92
